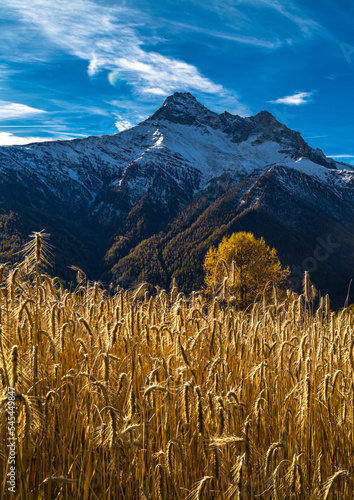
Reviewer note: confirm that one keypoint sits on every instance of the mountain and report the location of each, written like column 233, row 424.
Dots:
column 146, row 203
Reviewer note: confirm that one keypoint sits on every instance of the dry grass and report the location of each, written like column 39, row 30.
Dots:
column 163, row 397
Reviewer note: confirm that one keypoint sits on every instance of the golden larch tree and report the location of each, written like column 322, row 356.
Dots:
column 244, row 266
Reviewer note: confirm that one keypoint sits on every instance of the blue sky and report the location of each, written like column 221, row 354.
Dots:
column 75, row 68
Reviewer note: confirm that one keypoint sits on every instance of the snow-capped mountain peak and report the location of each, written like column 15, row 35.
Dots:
column 183, row 107
column 186, row 141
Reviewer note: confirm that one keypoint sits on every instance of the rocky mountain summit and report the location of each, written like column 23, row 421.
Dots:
column 146, row 203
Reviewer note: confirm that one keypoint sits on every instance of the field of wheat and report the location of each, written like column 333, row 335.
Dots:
column 154, row 395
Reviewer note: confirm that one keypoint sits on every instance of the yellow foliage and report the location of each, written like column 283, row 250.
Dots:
column 245, row 266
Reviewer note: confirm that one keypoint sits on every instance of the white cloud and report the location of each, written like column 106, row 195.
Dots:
column 93, row 67
column 108, row 39
column 295, row 100
column 8, row 139
column 123, row 124
column 155, row 91
column 13, row 110
column 152, row 70
column 347, row 159
column 316, row 137
column 6, row 72
column 341, row 156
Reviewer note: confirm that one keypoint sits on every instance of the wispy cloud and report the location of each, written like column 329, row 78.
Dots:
column 155, row 91
column 108, row 38
column 295, row 100
column 347, row 159
column 8, row 139
column 6, row 72
column 122, row 124
column 231, row 9
column 341, row 156
column 13, row 110
column 273, row 43
column 316, row 137
column 89, row 109
column 290, row 11
column 163, row 74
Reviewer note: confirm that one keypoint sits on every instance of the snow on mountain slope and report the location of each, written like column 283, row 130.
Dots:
column 183, row 141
